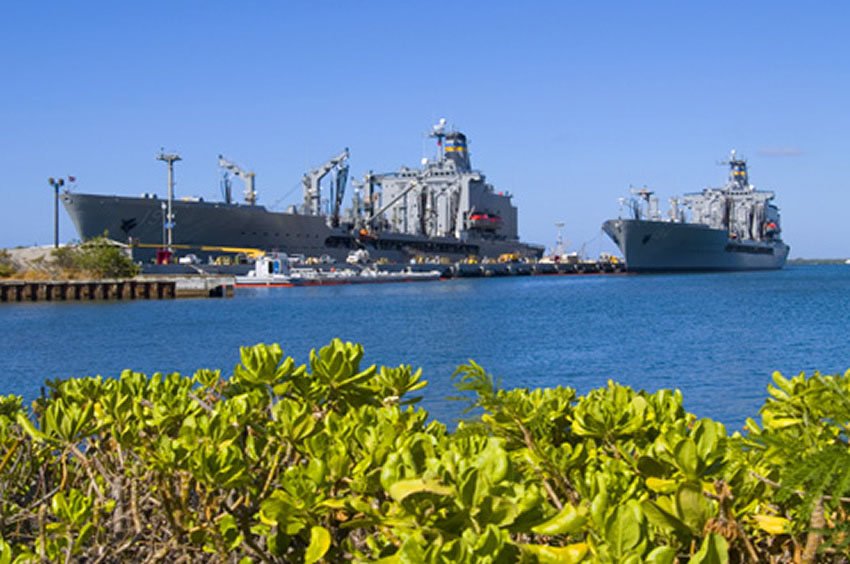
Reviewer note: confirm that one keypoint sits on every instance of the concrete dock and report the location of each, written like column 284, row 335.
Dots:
column 115, row 289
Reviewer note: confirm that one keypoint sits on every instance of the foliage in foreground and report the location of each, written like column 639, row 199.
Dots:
column 330, row 461
column 97, row 257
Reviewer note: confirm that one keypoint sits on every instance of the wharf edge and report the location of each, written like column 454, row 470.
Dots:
column 12, row 291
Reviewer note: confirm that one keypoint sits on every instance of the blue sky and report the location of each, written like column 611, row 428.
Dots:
column 566, row 103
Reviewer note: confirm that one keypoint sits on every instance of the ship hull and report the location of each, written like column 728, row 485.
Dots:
column 662, row 246
column 201, row 224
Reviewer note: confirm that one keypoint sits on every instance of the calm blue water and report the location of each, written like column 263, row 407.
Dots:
column 717, row 337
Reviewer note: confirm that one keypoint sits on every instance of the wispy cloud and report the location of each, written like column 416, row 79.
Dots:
column 780, row 152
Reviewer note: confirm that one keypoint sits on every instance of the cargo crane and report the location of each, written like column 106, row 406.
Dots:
column 247, row 178
column 313, row 189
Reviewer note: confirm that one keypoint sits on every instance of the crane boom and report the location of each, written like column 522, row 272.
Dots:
column 312, row 183
column 390, row 204
column 246, row 176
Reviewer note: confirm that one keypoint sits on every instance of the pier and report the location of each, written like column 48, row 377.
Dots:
column 191, row 284
column 516, row 268
column 475, row 270
column 118, row 289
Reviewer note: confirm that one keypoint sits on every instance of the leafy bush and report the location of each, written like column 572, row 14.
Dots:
column 97, row 257
column 331, row 461
column 7, row 269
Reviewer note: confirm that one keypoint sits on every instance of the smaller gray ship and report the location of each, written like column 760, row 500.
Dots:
column 735, row 227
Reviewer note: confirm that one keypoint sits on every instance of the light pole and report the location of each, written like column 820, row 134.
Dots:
column 169, row 159
column 56, row 185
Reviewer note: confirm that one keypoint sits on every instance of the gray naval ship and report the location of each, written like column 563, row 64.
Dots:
column 735, row 227
column 442, row 208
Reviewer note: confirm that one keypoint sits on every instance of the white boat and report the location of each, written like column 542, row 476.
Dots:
column 276, row 271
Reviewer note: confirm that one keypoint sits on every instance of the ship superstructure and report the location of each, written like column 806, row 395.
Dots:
column 734, row 227
column 444, row 198
column 442, row 209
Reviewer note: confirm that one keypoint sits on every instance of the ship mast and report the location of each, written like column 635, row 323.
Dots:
column 559, row 241
column 170, row 159
column 438, row 131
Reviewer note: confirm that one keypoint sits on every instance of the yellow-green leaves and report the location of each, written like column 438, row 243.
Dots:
column 661, row 555
column 320, row 542
column 262, row 365
column 29, row 428
column 772, row 524
column 567, row 521
column 686, row 458
column 401, row 489
column 692, row 507
column 611, row 413
column 73, row 509
column 660, row 485
column 68, row 422
column 5, row 552
column 326, row 461
column 569, row 554
column 624, row 531
column 714, row 550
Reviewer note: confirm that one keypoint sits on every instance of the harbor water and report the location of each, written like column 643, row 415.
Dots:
column 716, row 337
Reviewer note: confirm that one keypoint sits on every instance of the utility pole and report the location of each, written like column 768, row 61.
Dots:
column 56, row 185
column 169, row 158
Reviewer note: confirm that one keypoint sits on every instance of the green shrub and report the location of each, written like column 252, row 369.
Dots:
column 7, row 268
column 97, row 257
column 331, row 461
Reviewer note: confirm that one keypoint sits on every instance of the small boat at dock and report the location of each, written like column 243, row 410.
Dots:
column 276, row 271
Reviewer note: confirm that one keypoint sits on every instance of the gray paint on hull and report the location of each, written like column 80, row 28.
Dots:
column 665, row 246
column 232, row 225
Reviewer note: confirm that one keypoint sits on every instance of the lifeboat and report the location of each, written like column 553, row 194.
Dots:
column 485, row 221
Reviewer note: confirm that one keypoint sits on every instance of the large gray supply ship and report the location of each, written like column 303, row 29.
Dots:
column 443, row 208
column 735, row 227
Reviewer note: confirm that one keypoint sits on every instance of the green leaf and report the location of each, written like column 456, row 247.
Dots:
column 661, row 486
column 492, row 462
column 772, row 524
column 568, row 521
column 5, row 552
column 707, row 434
column 320, row 542
column 572, row 553
column 599, row 508
column 692, row 507
column 782, row 383
column 651, row 467
column 404, row 488
column 661, row 555
column 663, row 519
column 59, row 506
column 623, row 529
column 29, row 428
column 686, row 457
column 714, row 550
